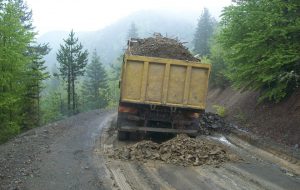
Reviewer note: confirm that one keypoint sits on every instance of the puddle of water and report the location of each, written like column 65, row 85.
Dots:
column 222, row 139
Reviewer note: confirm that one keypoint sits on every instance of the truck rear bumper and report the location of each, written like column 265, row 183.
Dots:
column 155, row 129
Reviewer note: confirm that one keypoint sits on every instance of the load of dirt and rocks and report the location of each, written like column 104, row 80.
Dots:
column 181, row 150
column 160, row 46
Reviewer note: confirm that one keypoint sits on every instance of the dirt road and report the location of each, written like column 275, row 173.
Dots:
column 57, row 156
column 71, row 155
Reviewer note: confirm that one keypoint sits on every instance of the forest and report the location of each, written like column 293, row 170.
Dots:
column 254, row 46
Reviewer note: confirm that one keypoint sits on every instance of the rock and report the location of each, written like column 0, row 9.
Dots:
column 211, row 121
column 181, row 150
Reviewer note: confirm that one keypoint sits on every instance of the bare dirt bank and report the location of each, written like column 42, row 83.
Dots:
column 279, row 122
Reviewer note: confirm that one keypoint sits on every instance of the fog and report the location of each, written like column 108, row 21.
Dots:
column 91, row 15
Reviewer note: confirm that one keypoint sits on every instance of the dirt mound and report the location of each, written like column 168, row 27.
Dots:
column 180, row 150
column 159, row 46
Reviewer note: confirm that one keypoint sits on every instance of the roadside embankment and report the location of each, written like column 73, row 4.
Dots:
column 279, row 122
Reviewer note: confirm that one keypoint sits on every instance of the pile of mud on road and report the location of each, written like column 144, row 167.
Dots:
column 181, row 150
column 159, row 46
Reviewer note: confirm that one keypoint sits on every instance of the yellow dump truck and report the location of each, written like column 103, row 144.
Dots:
column 161, row 95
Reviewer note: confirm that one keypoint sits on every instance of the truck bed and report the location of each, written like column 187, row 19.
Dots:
column 166, row 82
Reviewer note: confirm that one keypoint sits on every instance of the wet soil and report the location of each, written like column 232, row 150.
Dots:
column 159, row 46
column 278, row 122
column 56, row 156
column 252, row 169
column 73, row 154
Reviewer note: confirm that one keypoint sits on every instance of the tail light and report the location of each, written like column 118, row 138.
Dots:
column 194, row 115
column 125, row 109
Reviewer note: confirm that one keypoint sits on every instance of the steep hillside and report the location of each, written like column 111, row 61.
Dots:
column 281, row 121
column 111, row 40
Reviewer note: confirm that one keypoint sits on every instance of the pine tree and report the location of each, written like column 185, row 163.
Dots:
column 132, row 32
column 114, row 78
column 73, row 60
column 203, row 34
column 14, row 42
column 95, row 85
column 26, row 17
column 35, row 75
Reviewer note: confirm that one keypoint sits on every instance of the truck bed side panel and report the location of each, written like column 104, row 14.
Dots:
column 133, row 82
column 176, row 84
column 197, row 92
column 155, row 82
column 169, row 82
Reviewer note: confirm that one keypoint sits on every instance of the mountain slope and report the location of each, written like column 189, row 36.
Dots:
column 110, row 41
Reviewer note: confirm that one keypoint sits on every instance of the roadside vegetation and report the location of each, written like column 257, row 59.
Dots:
column 30, row 94
column 255, row 46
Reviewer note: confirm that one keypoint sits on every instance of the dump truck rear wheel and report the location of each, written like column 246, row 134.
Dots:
column 123, row 135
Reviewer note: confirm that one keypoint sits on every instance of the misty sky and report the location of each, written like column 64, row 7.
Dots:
column 90, row 15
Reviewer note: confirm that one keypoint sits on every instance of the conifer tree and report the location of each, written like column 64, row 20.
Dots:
column 14, row 42
column 95, row 85
column 35, row 75
column 203, row 34
column 114, row 78
column 73, row 60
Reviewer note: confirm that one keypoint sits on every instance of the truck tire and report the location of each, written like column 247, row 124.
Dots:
column 123, row 135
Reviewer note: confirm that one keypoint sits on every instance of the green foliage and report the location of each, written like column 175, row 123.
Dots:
column 54, row 100
column 73, row 60
column 220, row 110
column 95, row 85
column 261, row 43
column 15, row 38
column 35, row 75
column 114, row 75
column 8, row 131
column 203, row 33
column 217, row 75
column 22, row 69
column 53, row 104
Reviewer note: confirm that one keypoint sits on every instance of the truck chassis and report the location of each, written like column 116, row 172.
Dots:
column 143, row 118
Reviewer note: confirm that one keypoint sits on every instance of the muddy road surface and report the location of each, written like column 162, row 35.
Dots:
column 73, row 154
column 56, row 156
